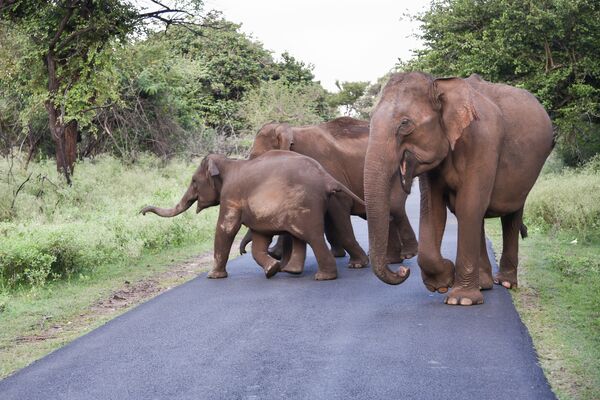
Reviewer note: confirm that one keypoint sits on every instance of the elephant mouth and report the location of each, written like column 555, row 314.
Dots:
column 408, row 164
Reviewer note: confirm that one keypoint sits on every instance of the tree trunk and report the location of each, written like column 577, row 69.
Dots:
column 70, row 146
column 63, row 134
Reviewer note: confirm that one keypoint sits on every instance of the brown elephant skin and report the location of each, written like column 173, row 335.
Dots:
column 279, row 192
column 340, row 146
column 477, row 148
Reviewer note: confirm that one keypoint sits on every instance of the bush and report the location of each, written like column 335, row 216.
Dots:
column 569, row 200
column 55, row 231
column 277, row 101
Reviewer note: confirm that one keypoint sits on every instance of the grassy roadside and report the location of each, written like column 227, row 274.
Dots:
column 559, row 279
column 72, row 258
column 34, row 322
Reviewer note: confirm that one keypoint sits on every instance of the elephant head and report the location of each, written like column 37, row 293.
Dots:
column 204, row 189
column 272, row 136
column 415, row 125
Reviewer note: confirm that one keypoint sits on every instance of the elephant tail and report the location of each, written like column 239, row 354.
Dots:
column 245, row 240
column 523, row 230
column 334, row 187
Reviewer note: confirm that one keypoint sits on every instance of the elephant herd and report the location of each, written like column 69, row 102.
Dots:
column 477, row 147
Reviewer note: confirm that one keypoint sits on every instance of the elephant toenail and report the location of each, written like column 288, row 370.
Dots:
column 442, row 290
column 452, row 301
column 466, row 302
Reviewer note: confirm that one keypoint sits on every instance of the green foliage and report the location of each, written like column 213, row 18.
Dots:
column 567, row 201
column 574, row 266
column 174, row 92
column 551, row 48
column 347, row 96
column 56, row 231
column 277, row 101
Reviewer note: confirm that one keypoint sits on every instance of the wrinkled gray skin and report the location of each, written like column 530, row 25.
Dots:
column 477, row 148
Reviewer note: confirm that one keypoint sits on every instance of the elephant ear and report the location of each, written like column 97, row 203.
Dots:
column 213, row 170
column 455, row 97
column 285, row 137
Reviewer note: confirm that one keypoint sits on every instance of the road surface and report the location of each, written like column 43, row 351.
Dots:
column 290, row 337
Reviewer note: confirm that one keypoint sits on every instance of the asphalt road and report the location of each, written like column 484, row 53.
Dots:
column 290, row 337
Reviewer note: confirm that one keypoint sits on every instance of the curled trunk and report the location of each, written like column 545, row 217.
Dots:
column 186, row 202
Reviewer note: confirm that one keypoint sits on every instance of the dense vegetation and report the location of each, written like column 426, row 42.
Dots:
column 81, row 78
column 551, row 48
column 56, row 231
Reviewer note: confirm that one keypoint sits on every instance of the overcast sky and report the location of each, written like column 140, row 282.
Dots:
column 352, row 40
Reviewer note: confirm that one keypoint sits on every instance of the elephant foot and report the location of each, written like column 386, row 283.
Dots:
column 464, row 297
column 325, row 276
column 485, row 279
column 338, row 252
column 293, row 269
column 506, row 279
column 272, row 269
column 216, row 274
column 440, row 282
column 358, row 263
column 409, row 250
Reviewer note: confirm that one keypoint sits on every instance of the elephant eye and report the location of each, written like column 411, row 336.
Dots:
column 405, row 127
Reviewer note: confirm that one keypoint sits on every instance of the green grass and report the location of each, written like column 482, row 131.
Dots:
column 559, row 278
column 62, row 249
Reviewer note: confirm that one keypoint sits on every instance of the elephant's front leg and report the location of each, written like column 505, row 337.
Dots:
column 260, row 246
column 469, row 214
column 436, row 271
column 402, row 242
column 228, row 225
column 485, row 267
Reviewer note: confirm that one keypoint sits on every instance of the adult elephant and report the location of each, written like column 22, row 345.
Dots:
column 478, row 148
column 340, row 146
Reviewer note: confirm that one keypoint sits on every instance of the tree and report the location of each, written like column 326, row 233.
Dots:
column 550, row 47
column 72, row 39
column 281, row 102
column 347, row 96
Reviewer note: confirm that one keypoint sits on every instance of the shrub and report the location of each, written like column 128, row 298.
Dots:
column 56, row 231
column 568, row 201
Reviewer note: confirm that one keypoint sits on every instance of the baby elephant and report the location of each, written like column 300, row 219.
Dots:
column 278, row 192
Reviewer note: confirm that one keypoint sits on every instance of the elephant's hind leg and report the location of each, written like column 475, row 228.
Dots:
column 295, row 263
column 507, row 276
column 260, row 245
column 327, row 268
column 340, row 216
column 330, row 232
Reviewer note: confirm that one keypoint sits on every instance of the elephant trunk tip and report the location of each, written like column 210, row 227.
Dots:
column 146, row 209
column 390, row 277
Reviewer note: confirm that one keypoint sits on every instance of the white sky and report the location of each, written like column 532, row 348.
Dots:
column 352, row 40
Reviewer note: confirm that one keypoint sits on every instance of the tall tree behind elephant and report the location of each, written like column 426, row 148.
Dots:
column 340, row 146
column 478, row 148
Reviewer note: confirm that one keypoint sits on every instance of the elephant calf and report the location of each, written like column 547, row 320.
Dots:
column 278, row 192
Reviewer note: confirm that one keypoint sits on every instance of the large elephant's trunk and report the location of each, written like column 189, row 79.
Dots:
column 186, row 202
column 379, row 169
